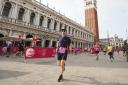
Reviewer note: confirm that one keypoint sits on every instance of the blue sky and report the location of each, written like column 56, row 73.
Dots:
column 112, row 14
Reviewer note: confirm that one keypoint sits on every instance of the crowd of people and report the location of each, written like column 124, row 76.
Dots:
column 9, row 48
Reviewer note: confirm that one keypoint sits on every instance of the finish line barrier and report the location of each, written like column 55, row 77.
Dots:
column 39, row 52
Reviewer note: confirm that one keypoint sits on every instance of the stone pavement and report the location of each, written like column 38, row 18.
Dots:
column 81, row 69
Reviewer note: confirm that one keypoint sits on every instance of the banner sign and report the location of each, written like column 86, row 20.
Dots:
column 39, row 52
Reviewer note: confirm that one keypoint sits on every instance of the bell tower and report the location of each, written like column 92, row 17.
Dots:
column 91, row 18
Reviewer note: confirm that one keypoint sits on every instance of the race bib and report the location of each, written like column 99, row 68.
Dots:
column 62, row 50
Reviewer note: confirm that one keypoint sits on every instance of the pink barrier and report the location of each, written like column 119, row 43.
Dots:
column 39, row 52
column 14, row 50
column 1, row 50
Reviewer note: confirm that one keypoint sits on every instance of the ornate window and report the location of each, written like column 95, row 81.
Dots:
column 21, row 14
column 49, row 23
column 55, row 24
column 6, row 9
column 32, row 17
column 41, row 20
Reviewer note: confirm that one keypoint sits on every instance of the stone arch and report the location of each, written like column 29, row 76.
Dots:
column 55, row 25
column 6, row 9
column 1, row 35
column 21, row 14
column 41, row 20
column 32, row 17
column 49, row 23
column 29, row 36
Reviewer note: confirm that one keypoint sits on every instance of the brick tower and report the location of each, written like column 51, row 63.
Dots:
column 91, row 18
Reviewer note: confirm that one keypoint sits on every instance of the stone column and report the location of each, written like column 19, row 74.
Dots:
column 1, row 7
column 10, row 33
column 45, row 22
column 50, row 44
column 27, row 16
column 43, row 42
column 57, row 44
column 58, row 26
column 67, row 29
column 52, row 25
column 71, row 31
column 77, row 33
column 37, row 19
column 74, row 32
column 14, row 11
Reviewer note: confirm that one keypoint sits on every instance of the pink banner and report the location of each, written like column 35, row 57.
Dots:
column 39, row 52
column 14, row 50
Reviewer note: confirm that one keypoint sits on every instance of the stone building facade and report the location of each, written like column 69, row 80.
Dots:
column 116, row 41
column 25, row 19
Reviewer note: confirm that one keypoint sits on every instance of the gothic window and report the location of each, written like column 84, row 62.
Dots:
column 49, row 23
column 6, row 9
column 32, row 17
column 55, row 24
column 41, row 20
column 21, row 14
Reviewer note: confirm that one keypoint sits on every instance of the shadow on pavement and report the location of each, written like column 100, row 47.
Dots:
column 91, row 81
column 4, row 74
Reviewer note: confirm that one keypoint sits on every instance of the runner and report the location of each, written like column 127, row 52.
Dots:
column 63, row 47
column 97, row 49
column 111, row 52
